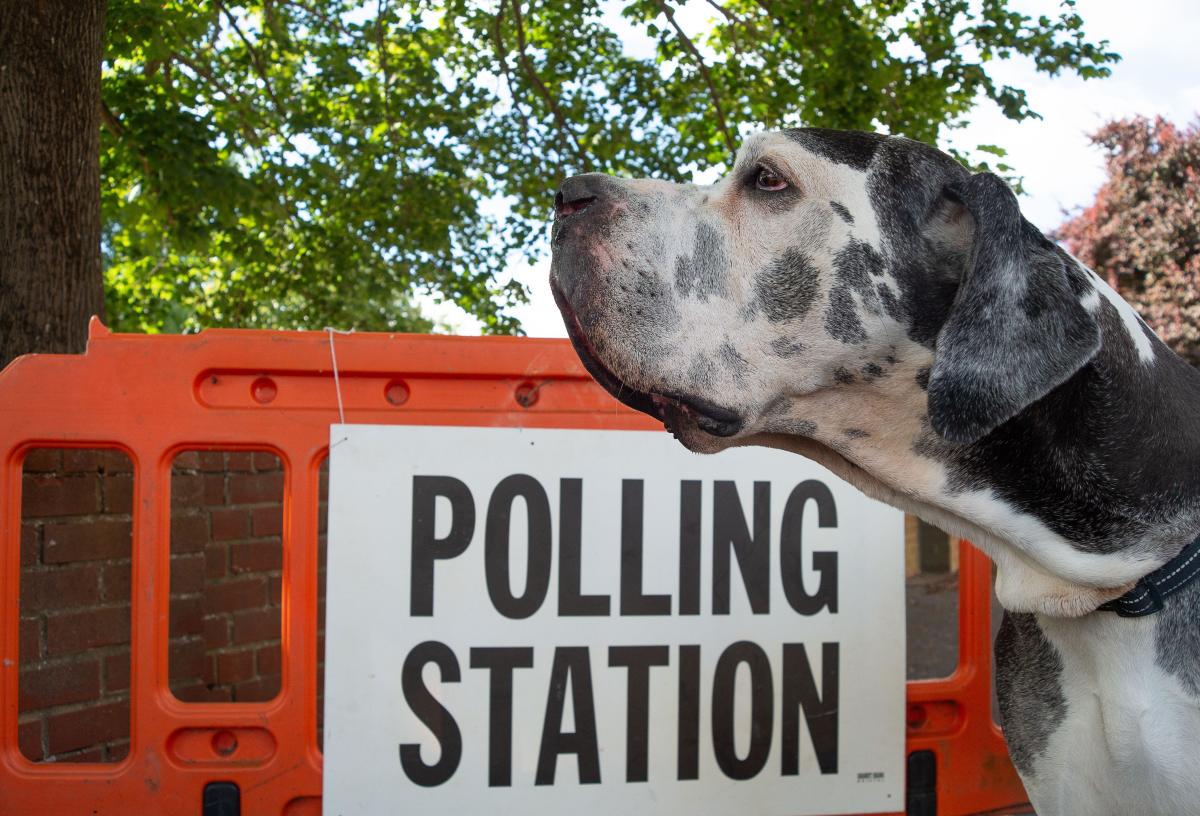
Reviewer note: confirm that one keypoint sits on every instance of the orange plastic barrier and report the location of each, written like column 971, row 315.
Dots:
column 152, row 397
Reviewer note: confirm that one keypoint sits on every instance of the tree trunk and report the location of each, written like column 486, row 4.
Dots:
column 50, row 276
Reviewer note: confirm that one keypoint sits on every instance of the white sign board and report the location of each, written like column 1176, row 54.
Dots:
column 600, row 622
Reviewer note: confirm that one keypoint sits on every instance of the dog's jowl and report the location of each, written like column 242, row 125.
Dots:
column 867, row 302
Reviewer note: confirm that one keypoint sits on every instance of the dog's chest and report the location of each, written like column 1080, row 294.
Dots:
column 1128, row 733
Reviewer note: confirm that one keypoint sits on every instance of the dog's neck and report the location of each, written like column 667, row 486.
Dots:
column 1074, row 499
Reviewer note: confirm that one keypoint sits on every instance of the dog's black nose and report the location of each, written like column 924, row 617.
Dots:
column 578, row 193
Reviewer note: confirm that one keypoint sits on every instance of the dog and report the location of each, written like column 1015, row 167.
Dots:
column 869, row 303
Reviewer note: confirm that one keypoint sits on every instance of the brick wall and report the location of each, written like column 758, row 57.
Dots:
column 226, row 576
column 226, row 561
column 75, row 590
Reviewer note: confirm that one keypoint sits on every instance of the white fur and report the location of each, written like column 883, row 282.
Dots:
column 1130, row 742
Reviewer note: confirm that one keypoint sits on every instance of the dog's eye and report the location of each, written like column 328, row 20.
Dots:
column 769, row 180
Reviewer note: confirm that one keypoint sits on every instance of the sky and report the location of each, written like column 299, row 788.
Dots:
column 1159, row 74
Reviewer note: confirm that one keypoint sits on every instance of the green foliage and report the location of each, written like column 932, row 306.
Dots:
column 310, row 162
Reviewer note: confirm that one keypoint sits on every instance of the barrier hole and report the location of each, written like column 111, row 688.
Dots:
column 931, row 598
column 263, row 390
column 226, row 576
column 916, row 715
column 74, row 608
column 322, row 561
column 396, row 392
column 224, row 743
column 527, row 394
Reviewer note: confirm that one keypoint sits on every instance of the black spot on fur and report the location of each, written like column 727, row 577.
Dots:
column 923, row 379
column 855, row 263
column 842, row 146
column 733, row 361
column 1028, row 672
column 841, row 318
column 842, row 212
column 856, row 433
column 1177, row 638
column 786, row 289
column 703, row 274
column 871, row 371
column 797, row 427
column 842, row 377
column 786, row 347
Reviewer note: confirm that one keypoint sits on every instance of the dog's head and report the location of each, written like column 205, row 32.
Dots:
column 825, row 260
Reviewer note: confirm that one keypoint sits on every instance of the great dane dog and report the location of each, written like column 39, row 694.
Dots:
column 867, row 302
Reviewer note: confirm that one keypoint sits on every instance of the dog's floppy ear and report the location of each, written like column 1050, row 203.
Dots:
column 1015, row 330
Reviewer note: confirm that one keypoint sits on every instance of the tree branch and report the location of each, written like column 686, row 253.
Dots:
column 381, row 41
column 540, row 87
column 254, row 61
column 708, row 80
column 502, row 57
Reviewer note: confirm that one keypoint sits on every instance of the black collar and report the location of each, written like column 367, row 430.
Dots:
column 1147, row 595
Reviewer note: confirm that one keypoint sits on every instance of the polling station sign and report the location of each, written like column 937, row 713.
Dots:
column 600, row 622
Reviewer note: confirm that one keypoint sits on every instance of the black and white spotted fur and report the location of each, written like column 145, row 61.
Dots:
column 893, row 316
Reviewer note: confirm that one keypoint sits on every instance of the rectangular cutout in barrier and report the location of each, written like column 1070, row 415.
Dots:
column 226, row 575
column 74, row 649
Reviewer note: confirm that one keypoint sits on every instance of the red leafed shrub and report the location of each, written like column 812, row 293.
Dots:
column 1142, row 233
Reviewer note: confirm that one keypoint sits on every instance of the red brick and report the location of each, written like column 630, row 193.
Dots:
column 258, row 690
column 212, row 461
column 43, row 496
column 214, row 490
column 81, row 460
column 267, row 521
column 235, row 667
column 256, row 625
column 274, row 589
column 115, row 461
column 118, row 578
column 187, row 490
column 256, row 556
column 216, row 561
column 256, row 488
column 232, row 596
column 43, row 460
column 117, row 751
column 230, row 524
column 187, row 573
column 216, row 632
column 242, row 461
column 82, row 729
column 268, row 660
column 94, row 540
column 187, row 616
column 116, row 672
column 76, row 631
column 186, row 660
column 186, row 460
column 29, row 737
column 59, row 684
column 60, row 588
column 31, row 637
column 265, row 461
column 29, row 545
column 189, row 532
column 118, row 493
